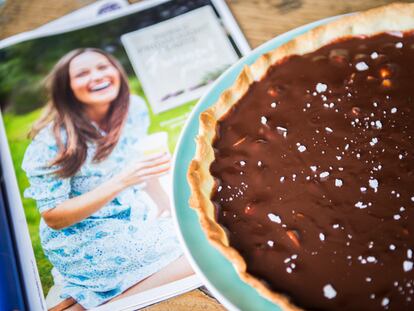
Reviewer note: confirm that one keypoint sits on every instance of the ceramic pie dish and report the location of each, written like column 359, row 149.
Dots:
column 361, row 52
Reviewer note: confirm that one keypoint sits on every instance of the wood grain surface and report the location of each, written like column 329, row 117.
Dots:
column 260, row 21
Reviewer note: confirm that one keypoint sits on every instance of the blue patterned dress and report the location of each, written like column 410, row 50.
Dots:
column 119, row 245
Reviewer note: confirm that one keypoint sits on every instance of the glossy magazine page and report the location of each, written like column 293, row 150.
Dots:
column 91, row 113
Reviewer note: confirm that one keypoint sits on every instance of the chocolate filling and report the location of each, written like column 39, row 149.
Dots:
column 314, row 172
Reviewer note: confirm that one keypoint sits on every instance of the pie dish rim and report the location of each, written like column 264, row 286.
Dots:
column 393, row 17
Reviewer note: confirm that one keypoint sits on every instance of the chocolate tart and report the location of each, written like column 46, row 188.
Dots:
column 303, row 175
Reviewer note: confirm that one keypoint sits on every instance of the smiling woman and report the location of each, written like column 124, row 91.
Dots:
column 81, row 106
column 93, row 79
column 96, row 195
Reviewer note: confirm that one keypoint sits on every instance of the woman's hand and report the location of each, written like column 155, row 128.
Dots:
column 78, row 208
column 144, row 169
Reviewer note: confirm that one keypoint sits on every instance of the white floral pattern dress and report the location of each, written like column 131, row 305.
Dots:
column 116, row 247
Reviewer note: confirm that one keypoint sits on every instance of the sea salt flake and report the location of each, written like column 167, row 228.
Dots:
column 273, row 105
column 263, row 120
column 374, row 55
column 242, row 163
column 313, row 168
column 360, row 205
column 321, row 87
column 282, row 131
column 302, row 148
column 361, row 66
column 409, row 253
column 399, row 45
column 321, row 236
column 371, row 259
column 392, row 247
column 338, row 183
column 393, row 110
column 397, row 217
column 324, row 175
column 385, row 301
column 363, row 189
column 270, row 243
column 373, row 141
column 274, row 218
column 328, row 129
column 329, row 292
column 407, row 265
column 373, row 183
column 378, row 124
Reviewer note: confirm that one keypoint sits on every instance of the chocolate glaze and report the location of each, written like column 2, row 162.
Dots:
column 314, row 175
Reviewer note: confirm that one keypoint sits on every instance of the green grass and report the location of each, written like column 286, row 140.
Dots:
column 17, row 128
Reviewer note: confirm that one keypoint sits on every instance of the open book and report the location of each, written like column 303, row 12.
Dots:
column 91, row 109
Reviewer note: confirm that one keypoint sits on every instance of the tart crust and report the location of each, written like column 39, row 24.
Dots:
column 395, row 17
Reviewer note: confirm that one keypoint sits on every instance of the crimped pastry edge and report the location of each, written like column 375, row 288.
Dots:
column 394, row 17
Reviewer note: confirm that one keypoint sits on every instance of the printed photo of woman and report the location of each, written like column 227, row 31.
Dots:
column 106, row 225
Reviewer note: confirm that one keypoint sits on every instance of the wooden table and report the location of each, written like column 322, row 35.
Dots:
column 260, row 21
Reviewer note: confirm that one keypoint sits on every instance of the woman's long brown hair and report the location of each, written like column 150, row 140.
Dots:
column 66, row 114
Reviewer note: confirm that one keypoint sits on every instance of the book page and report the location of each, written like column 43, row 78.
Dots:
column 178, row 59
column 93, row 225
